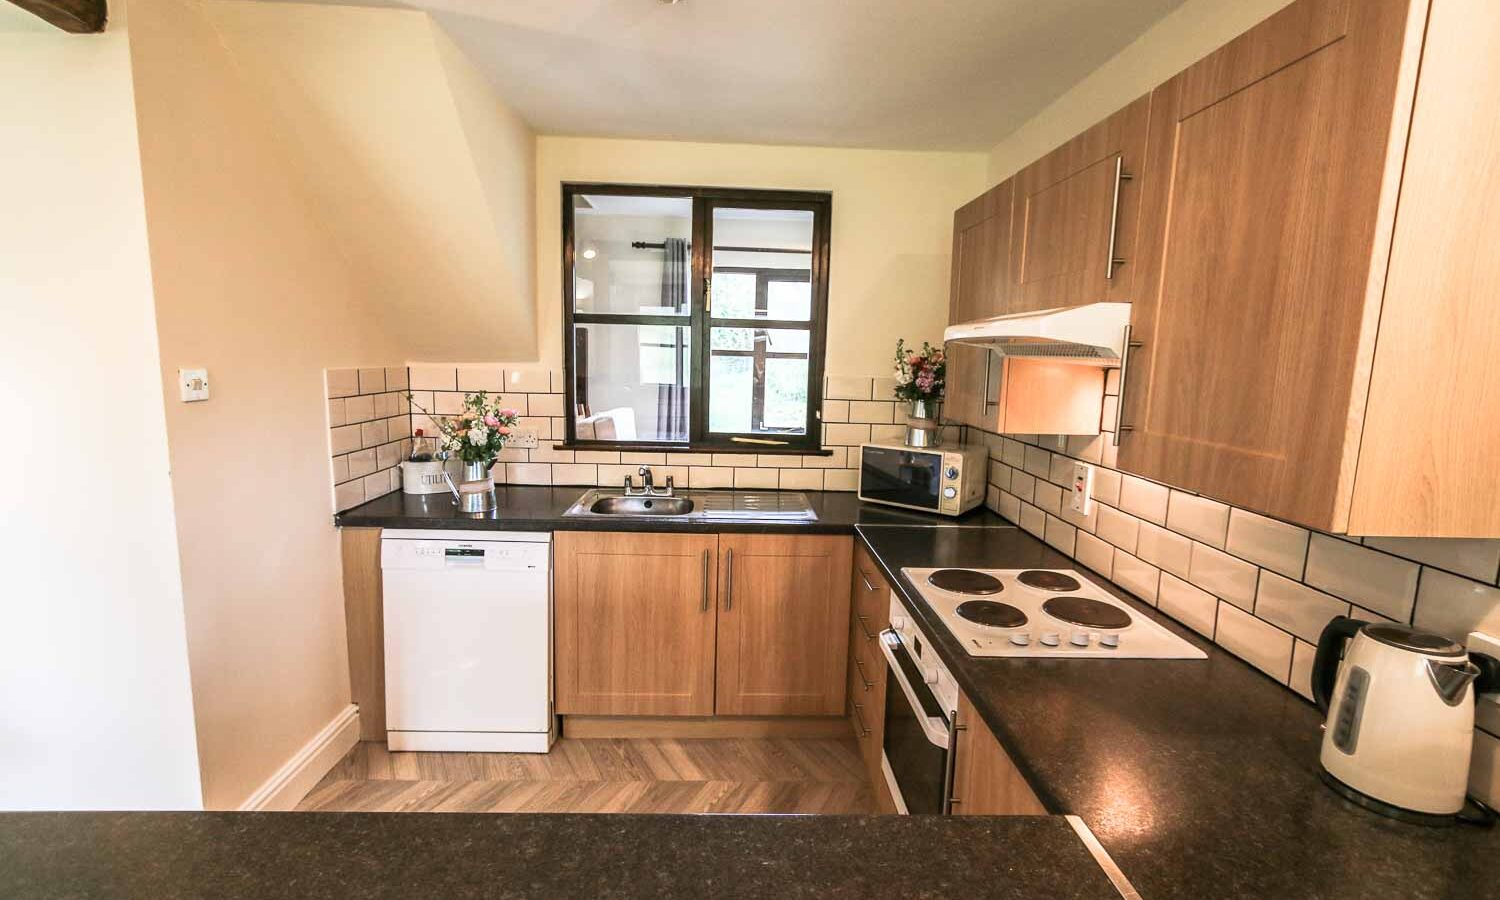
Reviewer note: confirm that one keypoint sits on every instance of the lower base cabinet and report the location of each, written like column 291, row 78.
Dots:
column 701, row 624
column 985, row 781
column 869, row 614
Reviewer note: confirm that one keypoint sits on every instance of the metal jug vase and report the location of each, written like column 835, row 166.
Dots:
column 476, row 493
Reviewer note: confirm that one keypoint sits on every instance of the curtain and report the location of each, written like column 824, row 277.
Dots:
column 672, row 399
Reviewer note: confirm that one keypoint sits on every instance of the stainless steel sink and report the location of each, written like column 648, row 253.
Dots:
column 780, row 506
column 641, row 506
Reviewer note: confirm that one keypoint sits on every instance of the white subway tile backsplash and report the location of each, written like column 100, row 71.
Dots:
column 340, row 469
column 1143, row 499
column 1033, row 520
column 1038, row 462
column 1473, row 557
column 1137, row 577
column 336, row 414
column 1268, row 543
column 755, row 478
column 608, row 457
column 888, row 434
column 1296, row 607
column 1198, row 517
column 1302, row 663
column 1013, row 453
column 844, row 435
column 883, row 388
column 374, row 433
column 1095, row 554
column 1022, row 485
column 345, row 439
column 341, row 382
column 359, row 409
column 1010, row 507
column 840, row 479
column 1060, row 535
column 1061, row 473
column 838, row 458
column 397, row 378
column 872, row 411
column 528, row 473
column 349, row 494
column 575, row 474
column 1087, row 447
column 801, row 479
column 528, row 380
column 1078, row 520
column 835, row 410
column 710, row 477
column 1048, row 497
column 544, row 404
column 1219, row 573
column 774, row 461
column 1258, row 643
column 643, row 459
column 690, row 459
column 1360, row 575
column 1454, row 606
column 372, row 381
column 1118, row 528
column 1107, row 486
column 1193, row 607
column 1163, row 549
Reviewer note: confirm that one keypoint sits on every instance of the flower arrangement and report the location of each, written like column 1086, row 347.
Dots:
column 919, row 375
column 478, row 433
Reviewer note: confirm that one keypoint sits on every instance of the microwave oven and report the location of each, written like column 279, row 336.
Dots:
column 945, row 480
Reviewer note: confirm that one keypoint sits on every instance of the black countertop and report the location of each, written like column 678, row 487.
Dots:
column 1200, row 777
column 523, row 508
column 455, row 855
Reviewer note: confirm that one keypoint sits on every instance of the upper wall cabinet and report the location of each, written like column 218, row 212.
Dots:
column 1075, row 215
column 981, row 256
column 1275, row 166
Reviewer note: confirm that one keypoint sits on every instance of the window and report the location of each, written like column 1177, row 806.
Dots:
column 694, row 317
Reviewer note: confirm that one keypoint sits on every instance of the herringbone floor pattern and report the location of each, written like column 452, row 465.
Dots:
column 633, row 775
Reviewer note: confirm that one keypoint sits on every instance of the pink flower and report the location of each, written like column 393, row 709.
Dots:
column 925, row 381
column 492, row 421
column 509, row 413
column 503, row 430
column 913, row 359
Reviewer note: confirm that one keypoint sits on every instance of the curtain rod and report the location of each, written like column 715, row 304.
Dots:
column 648, row 245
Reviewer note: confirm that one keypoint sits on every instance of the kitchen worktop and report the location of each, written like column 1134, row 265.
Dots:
column 1200, row 777
column 456, row 855
column 525, row 508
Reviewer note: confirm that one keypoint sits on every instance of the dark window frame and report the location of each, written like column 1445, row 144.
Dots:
column 699, row 322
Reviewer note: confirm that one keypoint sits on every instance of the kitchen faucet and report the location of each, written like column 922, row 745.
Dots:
column 649, row 489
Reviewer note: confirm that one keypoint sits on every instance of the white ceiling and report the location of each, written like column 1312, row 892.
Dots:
column 900, row 74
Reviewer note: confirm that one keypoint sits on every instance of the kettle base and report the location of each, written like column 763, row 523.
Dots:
column 1481, row 815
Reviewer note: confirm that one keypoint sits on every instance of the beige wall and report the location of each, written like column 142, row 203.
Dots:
column 251, row 284
column 95, row 700
column 1180, row 39
column 422, row 175
column 892, row 227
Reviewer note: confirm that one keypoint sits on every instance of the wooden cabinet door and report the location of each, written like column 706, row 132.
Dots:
column 981, row 256
column 635, row 620
column 783, row 624
column 1273, row 169
column 985, row 781
column 966, row 388
column 1075, row 212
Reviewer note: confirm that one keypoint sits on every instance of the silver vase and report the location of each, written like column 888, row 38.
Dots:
column 924, row 423
column 476, row 492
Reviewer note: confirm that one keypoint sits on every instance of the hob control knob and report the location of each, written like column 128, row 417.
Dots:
column 1020, row 639
column 1110, row 641
column 1079, row 639
column 1051, row 638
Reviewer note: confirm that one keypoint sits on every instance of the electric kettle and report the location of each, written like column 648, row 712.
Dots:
column 1400, row 717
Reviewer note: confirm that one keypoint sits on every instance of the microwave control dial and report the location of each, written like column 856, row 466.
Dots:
column 951, row 472
column 950, row 492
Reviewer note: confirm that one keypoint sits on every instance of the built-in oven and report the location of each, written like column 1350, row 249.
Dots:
column 920, row 703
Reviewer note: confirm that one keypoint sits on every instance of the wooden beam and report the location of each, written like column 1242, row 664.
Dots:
column 76, row 16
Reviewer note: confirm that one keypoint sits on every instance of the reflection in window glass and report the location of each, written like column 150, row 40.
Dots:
column 631, row 382
column 758, row 380
column 632, row 254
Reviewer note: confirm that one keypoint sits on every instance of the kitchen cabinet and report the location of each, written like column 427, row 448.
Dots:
column 1274, row 169
column 635, row 623
column 981, row 256
column 869, row 608
column 1075, row 218
column 783, row 609
column 985, row 781
column 1013, row 395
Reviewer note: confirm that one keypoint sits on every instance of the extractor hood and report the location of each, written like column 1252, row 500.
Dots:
column 1093, row 334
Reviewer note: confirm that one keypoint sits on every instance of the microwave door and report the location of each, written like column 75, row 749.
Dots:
column 917, row 734
column 901, row 477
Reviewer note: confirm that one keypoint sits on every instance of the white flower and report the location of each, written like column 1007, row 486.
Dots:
column 478, row 435
column 903, row 377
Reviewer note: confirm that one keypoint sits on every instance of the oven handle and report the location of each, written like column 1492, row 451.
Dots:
column 934, row 727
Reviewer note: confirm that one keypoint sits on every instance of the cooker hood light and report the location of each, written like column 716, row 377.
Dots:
column 1093, row 334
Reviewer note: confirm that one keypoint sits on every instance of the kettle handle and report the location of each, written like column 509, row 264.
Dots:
column 1325, row 670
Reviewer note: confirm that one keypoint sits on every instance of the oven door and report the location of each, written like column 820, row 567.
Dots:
column 918, row 735
column 910, row 478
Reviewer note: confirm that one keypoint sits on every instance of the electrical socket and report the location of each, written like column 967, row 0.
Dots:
column 1080, row 497
column 523, row 438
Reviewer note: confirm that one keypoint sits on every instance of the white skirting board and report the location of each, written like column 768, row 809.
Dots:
column 286, row 788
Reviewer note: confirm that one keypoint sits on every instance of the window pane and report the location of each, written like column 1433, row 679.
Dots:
column 632, row 254
column 758, row 379
column 631, row 382
column 762, row 262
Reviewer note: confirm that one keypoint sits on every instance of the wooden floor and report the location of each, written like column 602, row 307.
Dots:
column 634, row 775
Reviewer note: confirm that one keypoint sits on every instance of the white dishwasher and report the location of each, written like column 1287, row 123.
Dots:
column 468, row 640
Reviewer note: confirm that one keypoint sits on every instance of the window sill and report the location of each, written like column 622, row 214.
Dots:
column 646, row 447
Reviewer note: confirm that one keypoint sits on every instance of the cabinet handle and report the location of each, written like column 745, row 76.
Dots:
column 989, row 363
column 705, row 581
column 1114, row 219
column 728, row 580
column 869, row 635
column 864, row 730
column 1125, row 349
column 868, row 586
column 862, row 677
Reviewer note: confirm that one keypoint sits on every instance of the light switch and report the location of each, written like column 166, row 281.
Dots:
column 194, row 384
column 1081, row 499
